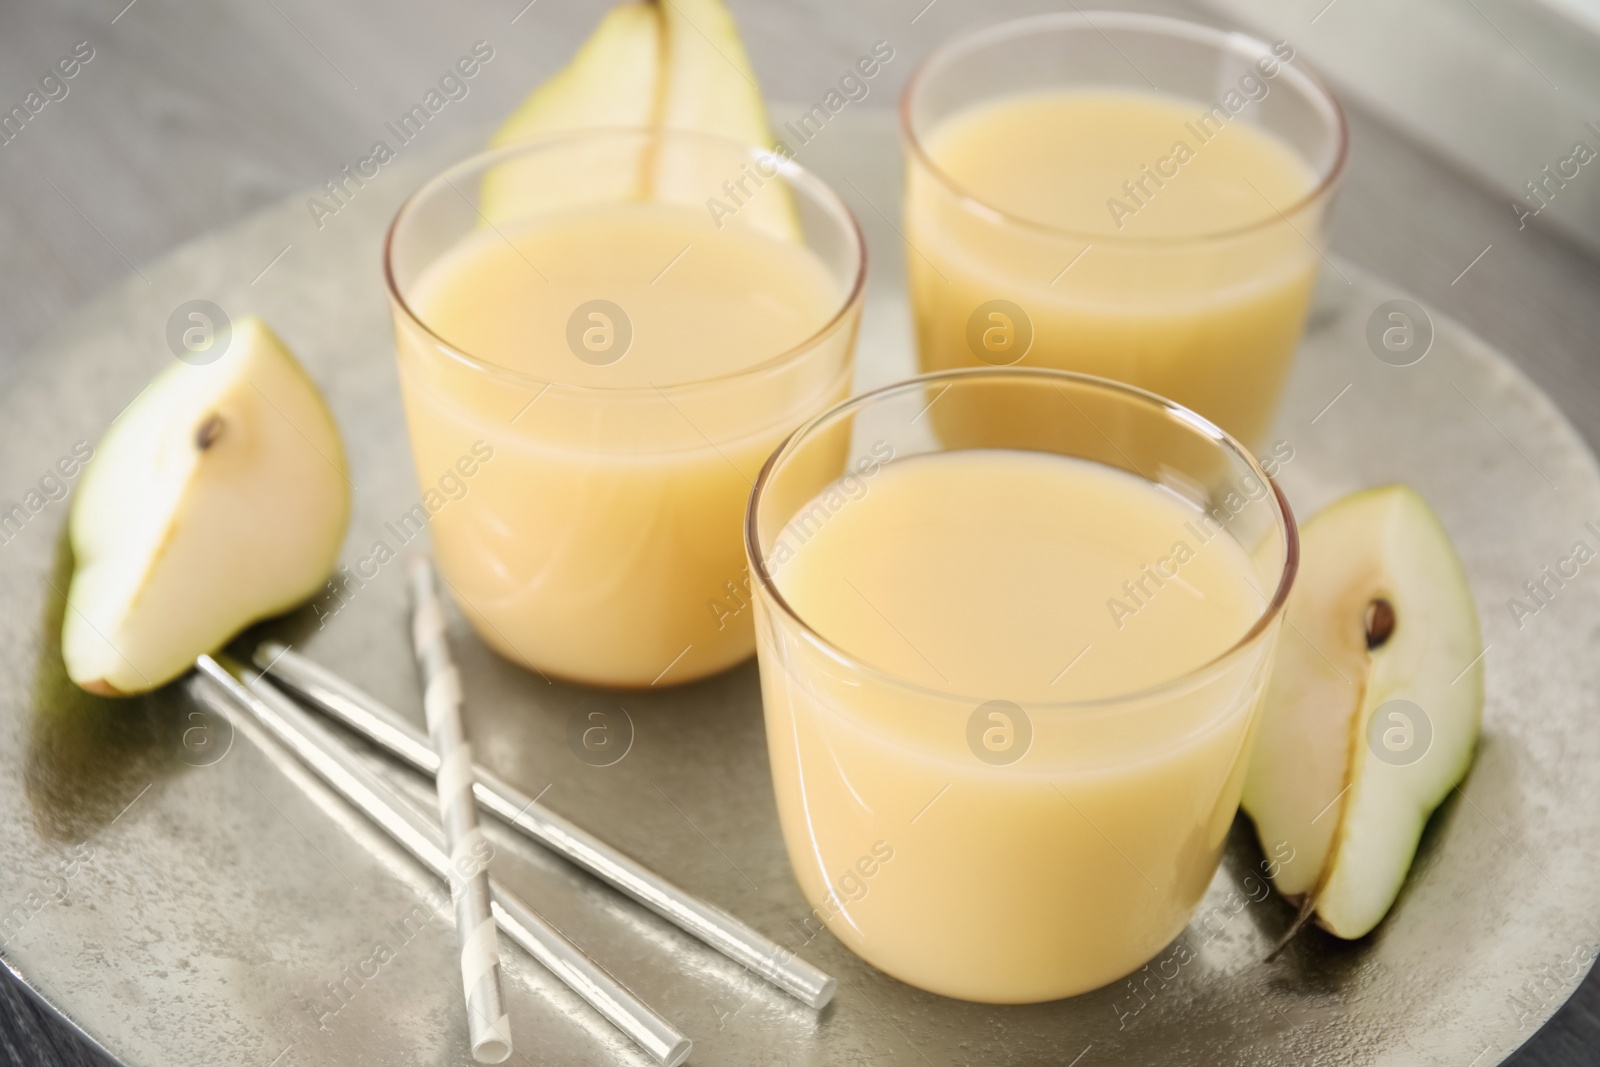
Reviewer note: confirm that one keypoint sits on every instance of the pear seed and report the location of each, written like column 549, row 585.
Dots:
column 1380, row 623
column 209, row 431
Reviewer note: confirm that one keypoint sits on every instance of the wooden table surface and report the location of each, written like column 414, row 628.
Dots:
column 186, row 117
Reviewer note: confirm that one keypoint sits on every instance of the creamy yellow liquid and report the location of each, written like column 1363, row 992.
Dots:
column 1058, row 863
column 602, row 542
column 1139, row 293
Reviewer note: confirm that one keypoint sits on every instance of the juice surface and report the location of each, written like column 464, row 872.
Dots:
column 602, row 543
column 987, row 571
column 1158, row 244
column 1060, row 159
column 701, row 302
column 1046, row 851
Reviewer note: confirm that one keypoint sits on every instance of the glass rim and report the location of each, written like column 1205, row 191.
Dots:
column 792, row 171
column 1199, row 673
column 1163, row 24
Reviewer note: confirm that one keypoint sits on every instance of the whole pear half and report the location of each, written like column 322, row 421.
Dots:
column 1374, row 706
column 219, row 497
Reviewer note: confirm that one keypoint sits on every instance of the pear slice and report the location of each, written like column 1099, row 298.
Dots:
column 1373, row 709
column 710, row 87
column 665, row 64
column 612, row 82
column 218, row 497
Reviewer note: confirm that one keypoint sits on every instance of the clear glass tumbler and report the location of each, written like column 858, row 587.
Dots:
column 599, row 344
column 1004, row 846
column 1185, row 267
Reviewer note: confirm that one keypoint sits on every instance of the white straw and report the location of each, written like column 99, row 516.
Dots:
column 394, row 733
column 487, row 1023
column 337, row 765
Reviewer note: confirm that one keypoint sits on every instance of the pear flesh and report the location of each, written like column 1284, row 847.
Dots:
column 219, row 497
column 676, row 65
column 1373, row 709
column 611, row 83
column 709, row 86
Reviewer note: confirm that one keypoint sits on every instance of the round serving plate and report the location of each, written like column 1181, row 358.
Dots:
column 186, row 894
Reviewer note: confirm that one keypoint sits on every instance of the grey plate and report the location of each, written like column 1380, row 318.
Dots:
column 186, row 896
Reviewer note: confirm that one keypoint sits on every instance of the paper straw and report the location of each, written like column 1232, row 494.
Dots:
column 391, row 731
column 418, row 834
column 488, row 1027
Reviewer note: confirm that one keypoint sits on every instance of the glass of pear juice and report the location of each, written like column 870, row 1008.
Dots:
column 598, row 365
column 1125, row 195
column 1011, row 685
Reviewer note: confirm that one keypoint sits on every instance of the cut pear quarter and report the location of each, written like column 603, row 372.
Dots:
column 709, row 86
column 676, row 65
column 613, row 82
column 219, row 497
column 1374, row 705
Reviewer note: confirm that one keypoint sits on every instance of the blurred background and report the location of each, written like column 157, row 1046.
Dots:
column 181, row 118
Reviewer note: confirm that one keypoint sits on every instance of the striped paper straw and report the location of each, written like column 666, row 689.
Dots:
column 410, row 826
column 487, row 1022
column 389, row 730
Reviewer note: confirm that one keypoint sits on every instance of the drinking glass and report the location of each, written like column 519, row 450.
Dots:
column 591, row 530
column 1207, row 316
column 1004, row 846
